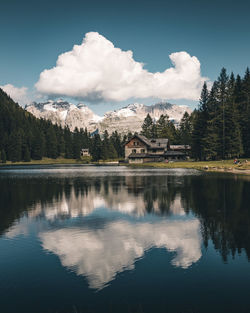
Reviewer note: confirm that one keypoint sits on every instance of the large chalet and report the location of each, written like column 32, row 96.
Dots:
column 140, row 149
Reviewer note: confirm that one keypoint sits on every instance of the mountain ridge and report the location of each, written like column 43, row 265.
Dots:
column 123, row 120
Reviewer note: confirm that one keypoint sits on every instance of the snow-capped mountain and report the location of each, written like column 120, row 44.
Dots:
column 65, row 114
column 129, row 118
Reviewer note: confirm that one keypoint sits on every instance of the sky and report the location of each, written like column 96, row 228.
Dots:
column 110, row 53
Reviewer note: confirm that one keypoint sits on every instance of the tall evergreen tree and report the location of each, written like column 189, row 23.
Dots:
column 147, row 127
column 233, row 143
column 161, row 125
column 166, row 129
column 200, row 126
column 245, row 113
column 15, row 147
column 26, row 154
column 51, row 143
column 77, row 145
column 222, row 98
column 105, row 146
column 115, row 139
column 68, row 137
column 3, row 156
column 96, row 151
column 212, row 140
column 185, row 130
column 37, row 145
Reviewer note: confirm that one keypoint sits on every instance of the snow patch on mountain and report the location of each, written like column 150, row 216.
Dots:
column 128, row 118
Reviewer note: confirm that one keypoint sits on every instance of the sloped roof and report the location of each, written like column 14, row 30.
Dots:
column 180, row 147
column 137, row 155
column 154, row 142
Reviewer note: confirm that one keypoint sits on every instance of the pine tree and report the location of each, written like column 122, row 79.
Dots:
column 26, row 154
column 211, row 139
column 96, row 151
column 129, row 136
column 77, row 146
column 105, row 146
column 3, row 156
column 15, row 147
column 222, row 98
column 37, row 145
column 68, row 143
column 200, row 126
column 161, row 125
column 61, row 145
column 216, row 132
column 51, row 143
column 112, row 151
column 245, row 113
column 147, row 127
column 115, row 139
column 39, row 137
column 215, row 146
column 233, row 144
column 166, row 129
column 185, row 130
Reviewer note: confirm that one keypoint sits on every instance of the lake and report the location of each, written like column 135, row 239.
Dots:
column 115, row 239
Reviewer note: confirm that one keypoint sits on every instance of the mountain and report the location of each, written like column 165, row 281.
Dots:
column 65, row 114
column 23, row 136
column 129, row 118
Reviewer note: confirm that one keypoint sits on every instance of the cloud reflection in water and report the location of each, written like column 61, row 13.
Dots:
column 99, row 254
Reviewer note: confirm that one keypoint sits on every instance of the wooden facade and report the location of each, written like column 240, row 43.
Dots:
column 140, row 149
column 135, row 145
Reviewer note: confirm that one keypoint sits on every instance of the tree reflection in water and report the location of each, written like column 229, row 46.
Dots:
column 220, row 202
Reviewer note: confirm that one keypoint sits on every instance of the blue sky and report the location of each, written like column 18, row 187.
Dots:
column 34, row 33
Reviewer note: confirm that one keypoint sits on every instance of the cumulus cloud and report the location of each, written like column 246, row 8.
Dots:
column 99, row 254
column 98, row 71
column 19, row 95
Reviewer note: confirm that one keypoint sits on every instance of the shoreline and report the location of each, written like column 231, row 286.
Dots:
column 59, row 161
column 205, row 166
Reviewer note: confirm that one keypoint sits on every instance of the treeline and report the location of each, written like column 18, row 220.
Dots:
column 25, row 137
column 165, row 128
column 219, row 128
column 221, row 125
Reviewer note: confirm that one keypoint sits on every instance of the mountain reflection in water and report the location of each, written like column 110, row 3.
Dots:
column 100, row 224
column 97, row 243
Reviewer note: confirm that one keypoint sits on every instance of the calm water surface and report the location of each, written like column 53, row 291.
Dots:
column 112, row 239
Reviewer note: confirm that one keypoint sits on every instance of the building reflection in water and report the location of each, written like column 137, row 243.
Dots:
column 132, row 195
column 95, row 242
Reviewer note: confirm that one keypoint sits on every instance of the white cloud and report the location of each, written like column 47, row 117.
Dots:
column 96, row 70
column 19, row 95
column 99, row 254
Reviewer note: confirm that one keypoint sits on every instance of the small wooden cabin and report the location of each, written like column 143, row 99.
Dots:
column 85, row 152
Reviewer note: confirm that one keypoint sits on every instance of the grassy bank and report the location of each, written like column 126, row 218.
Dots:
column 45, row 161
column 227, row 165
column 216, row 166
column 49, row 161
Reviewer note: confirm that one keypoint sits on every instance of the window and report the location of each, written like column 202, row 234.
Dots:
column 142, row 150
column 154, row 150
column 134, row 151
column 136, row 143
column 159, row 144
